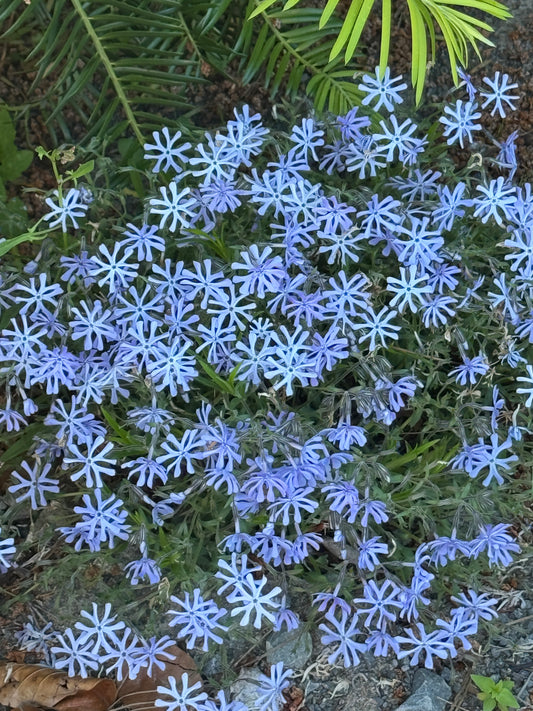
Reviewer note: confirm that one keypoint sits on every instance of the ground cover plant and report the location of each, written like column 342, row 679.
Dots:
column 301, row 367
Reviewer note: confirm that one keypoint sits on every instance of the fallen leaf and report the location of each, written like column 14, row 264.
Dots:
column 26, row 686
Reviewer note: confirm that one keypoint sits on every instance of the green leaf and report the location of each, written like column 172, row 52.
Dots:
column 22, row 444
column 8, row 244
column 506, row 699
column 263, row 5
column 13, row 217
column 358, row 29
column 328, row 12
column 347, row 27
column 399, row 461
column 485, row 683
column 216, row 381
column 121, row 434
column 385, row 34
column 83, row 169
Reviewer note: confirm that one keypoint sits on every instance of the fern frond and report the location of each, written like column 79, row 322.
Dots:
column 125, row 64
column 290, row 46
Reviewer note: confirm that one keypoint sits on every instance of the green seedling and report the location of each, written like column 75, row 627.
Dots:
column 495, row 693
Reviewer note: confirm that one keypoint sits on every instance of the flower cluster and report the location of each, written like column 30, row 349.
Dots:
column 296, row 350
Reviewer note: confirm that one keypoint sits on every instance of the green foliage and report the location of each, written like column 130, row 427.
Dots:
column 13, row 162
column 128, row 59
column 459, row 29
column 289, row 47
column 495, row 693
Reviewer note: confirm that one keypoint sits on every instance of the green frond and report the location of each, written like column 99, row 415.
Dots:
column 287, row 47
column 127, row 63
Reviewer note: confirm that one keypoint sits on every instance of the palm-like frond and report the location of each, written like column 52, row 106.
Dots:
column 285, row 48
column 124, row 63
column 459, row 29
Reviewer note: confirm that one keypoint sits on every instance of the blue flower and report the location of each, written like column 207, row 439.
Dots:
column 144, row 239
column 489, row 457
column 175, row 206
column 270, row 689
column 398, row 139
column 529, row 390
column 498, row 94
column 451, row 205
column 7, row 550
column 351, row 124
column 95, row 323
column 263, row 273
column 95, row 463
column 69, row 207
column 250, row 599
column 343, row 634
column 383, row 88
column 422, row 246
column 380, row 216
column 74, row 654
column 496, row 543
column 471, row 368
column 172, row 368
column 99, row 524
column 99, row 630
column 117, row 272
column 307, row 138
column 380, row 600
column 197, row 619
column 408, row 288
column 432, row 644
column 461, row 122
column 37, row 483
column 478, row 606
column 164, row 152
column 218, row 157
column 181, row 700
column 369, row 549
column 379, row 327
column 125, row 654
column 289, row 508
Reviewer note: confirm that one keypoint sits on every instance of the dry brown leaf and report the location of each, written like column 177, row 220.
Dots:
column 140, row 694
column 28, row 686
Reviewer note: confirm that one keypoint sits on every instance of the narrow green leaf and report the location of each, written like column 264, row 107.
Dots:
column 215, row 379
column 263, row 5
column 122, row 435
column 280, row 73
column 347, row 27
column 385, row 34
column 289, row 4
column 84, row 169
column 8, row 244
column 328, row 12
column 358, row 30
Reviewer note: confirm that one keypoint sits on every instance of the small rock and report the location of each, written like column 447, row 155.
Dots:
column 293, row 648
column 246, row 687
column 430, row 693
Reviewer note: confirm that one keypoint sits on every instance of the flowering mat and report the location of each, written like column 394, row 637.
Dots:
column 280, row 414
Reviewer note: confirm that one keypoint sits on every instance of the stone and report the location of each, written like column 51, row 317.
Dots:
column 293, row 648
column 430, row 693
column 246, row 687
